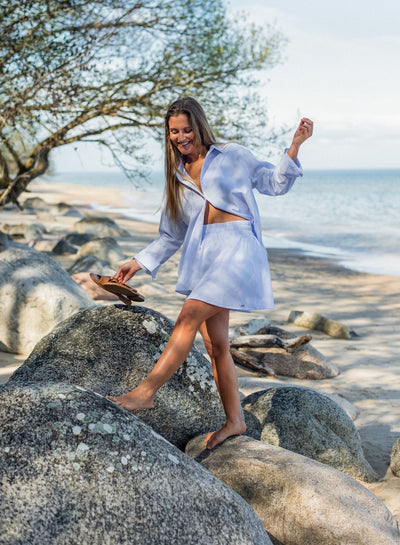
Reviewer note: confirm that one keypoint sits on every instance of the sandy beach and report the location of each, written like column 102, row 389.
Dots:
column 368, row 304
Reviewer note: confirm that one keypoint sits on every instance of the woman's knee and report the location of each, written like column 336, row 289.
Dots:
column 217, row 348
column 188, row 318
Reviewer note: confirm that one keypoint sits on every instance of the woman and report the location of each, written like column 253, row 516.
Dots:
column 211, row 211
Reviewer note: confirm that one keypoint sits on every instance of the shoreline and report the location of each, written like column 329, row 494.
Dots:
column 382, row 264
column 368, row 304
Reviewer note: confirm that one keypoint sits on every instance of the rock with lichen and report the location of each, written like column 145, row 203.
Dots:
column 76, row 468
column 111, row 349
column 310, row 423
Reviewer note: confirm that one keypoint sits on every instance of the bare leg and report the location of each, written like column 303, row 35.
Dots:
column 215, row 336
column 192, row 315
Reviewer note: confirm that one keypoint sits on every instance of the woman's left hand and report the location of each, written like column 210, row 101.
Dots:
column 304, row 131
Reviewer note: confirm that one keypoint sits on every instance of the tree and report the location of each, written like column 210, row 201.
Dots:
column 104, row 71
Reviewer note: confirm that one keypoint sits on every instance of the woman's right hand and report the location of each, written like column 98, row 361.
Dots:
column 126, row 271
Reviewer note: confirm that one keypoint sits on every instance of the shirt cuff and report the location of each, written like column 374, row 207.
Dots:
column 294, row 166
column 141, row 265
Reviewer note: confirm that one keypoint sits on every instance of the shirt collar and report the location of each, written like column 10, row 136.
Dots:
column 218, row 147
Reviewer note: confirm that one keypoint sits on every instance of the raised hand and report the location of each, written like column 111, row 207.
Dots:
column 304, row 131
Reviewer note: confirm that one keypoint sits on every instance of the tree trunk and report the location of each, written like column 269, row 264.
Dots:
column 38, row 165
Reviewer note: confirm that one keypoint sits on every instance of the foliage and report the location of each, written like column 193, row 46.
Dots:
column 104, row 71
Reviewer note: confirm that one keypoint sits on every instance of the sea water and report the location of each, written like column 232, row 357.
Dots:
column 351, row 216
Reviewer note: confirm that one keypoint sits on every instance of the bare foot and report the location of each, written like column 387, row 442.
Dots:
column 133, row 400
column 230, row 428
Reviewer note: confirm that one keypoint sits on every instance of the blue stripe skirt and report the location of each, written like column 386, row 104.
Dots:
column 231, row 268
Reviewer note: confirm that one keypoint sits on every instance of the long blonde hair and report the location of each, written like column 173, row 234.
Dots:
column 203, row 135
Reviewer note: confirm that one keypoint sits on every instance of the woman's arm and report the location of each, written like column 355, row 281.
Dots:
column 157, row 252
column 304, row 131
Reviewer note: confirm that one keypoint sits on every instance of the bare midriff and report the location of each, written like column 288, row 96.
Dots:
column 216, row 215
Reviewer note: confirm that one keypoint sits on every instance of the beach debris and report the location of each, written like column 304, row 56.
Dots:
column 98, row 474
column 106, row 249
column 395, row 459
column 299, row 500
column 313, row 320
column 273, row 351
column 101, row 226
column 310, row 423
column 36, row 293
column 109, row 350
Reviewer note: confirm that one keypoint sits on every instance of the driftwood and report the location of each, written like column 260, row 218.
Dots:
column 273, row 351
column 270, row 341
column 251, row 361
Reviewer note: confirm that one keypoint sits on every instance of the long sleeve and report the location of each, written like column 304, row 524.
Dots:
column 278, row 180
column 162, row 248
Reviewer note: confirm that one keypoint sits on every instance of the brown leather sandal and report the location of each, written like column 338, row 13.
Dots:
column 125, row 293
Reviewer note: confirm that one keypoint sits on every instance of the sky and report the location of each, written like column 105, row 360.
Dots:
column 341, row 69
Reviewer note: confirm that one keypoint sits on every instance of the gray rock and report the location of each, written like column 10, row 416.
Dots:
column 91, row 263
column 36, row 204
column 106, row 249
column 111, row 349
column 310, row 423
column 63, row 247
column 4, row 241
column 313, row 320
column 28, row 231
column 76, row 468
column 78, row 239
column 300, row 501
column 64, row 209
column 100, row 226
column 395, row 459
column 36, row 293
column 44, row 245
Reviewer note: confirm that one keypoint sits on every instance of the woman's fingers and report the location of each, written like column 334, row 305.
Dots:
column 306, row 126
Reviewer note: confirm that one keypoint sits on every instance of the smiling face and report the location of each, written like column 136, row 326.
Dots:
column 182, row 135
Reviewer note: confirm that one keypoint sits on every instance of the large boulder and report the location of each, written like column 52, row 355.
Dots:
column 110, row 350
column 100, row 226
column 75, row 468
column 300, row 501
column 308, row 422
column 36, row 293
